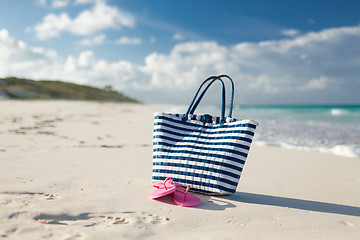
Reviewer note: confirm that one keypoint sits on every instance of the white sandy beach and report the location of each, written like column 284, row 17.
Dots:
column 82, row 170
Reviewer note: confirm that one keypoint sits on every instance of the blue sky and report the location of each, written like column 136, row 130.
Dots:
column 278, row 52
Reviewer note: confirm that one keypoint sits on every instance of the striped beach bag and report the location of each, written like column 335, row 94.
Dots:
column 204, row 152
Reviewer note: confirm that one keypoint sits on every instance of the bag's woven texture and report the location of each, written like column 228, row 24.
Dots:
column 200, row 152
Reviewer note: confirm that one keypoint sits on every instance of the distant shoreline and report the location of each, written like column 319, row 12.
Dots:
column 27, row 89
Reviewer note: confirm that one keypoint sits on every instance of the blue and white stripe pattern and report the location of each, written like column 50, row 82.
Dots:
column 206, row 155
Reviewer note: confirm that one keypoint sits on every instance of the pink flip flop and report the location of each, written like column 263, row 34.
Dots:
column 163, row 188
column 183, row 198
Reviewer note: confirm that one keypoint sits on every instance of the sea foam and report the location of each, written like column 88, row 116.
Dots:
column 343, row 150
column 338, row 112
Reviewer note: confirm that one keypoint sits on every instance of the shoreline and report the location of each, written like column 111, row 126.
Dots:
column 338, row 150
column 82, row 170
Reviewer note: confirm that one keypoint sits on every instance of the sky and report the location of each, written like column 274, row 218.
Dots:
column 277, row 52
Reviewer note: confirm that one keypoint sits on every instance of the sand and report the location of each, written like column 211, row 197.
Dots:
column 82, row 170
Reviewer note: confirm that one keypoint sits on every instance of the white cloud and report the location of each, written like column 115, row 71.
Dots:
column 86, row 59
column 290, row 32
column 129, row 41
column 186, row 62
column 316, row 84
column 84, row 1
column 264, row 82
column 88, row 22
column 40, row 2
column 60, row 3
column 18, row 59
column 5, row 36
column 92, row 41
column 52, row 26
column 317, row 65
column 101, row 17
column 178, row 37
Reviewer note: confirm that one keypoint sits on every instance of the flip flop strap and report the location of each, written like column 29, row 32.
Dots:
column 185, row 193
column 168, row 178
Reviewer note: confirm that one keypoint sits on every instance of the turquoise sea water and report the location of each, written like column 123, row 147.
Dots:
column 333, row 129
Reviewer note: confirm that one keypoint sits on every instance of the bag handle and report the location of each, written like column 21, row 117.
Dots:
column 213, row 78
column 203, row 93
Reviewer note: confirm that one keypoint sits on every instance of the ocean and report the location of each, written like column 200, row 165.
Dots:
column 330, row 129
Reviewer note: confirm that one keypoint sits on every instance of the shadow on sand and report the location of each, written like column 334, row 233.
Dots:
column 221, row 203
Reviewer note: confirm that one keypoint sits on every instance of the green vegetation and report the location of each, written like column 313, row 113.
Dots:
column 18, row 88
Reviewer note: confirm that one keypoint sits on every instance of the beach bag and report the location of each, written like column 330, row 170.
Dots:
column 204, row 152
